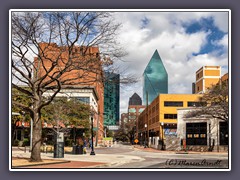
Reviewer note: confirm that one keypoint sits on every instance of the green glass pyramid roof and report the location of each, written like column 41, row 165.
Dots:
column 155, row 78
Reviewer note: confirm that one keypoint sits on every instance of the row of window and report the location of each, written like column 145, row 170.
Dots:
column 196, row 133
column 170, row 116
column 173, row 103
column 85, row 100
column 180, row 104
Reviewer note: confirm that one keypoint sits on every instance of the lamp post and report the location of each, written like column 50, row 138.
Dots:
column 23, row 130
column 31, row 135
column 141, row 140
column 23, row 124
column 145, row 135
column 209, row 131
column 162, row 124
column 92, row 152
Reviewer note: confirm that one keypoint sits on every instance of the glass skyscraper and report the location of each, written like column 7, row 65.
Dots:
column 155, row 79
column 111, row 99
column 135, row 99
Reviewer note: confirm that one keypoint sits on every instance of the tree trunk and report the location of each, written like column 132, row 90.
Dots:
column 13, row 132
column 36, row 138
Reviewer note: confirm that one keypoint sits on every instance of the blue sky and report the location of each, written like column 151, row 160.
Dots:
column 215, row 34
column 186, row 41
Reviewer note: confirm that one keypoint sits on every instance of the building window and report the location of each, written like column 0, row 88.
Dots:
column 189, row 136
column 85, row 100
column 196, row 133
column 173, row 103
column 170, row 116
column 223, row 128
column 194, row 104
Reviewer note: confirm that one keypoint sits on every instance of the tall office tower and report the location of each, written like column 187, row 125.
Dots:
column 135, row 99
column 111, row 99
column 155, row 79
column 135, row 108
column 206, row 77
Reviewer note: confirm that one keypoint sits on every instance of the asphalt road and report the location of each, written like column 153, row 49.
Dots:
column 155, row 160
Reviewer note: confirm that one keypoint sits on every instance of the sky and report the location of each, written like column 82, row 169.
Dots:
column 185, row 41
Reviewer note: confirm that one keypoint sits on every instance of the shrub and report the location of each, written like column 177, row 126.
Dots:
column 68, row 142
column 15, row 142
column 26, row 142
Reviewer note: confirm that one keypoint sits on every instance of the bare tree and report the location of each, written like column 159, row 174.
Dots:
column 126, row 131
column 214, row 103
column 52, row 50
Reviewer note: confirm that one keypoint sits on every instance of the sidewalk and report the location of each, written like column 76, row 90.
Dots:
column 20, row 160
column 148, row 149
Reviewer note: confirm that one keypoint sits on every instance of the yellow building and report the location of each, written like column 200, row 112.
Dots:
column 163, row 109
column 206, row 77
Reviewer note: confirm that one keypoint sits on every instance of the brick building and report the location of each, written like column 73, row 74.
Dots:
column 76, row 68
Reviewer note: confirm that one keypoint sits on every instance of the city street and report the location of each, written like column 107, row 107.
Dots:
column 127, row 156
column 160, row 159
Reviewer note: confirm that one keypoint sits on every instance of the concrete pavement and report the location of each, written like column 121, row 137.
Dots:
column 84, row 160
column 141, row 148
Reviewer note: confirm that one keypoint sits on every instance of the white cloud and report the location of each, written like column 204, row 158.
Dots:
column 221, row 20
column 164, row 32
column 223, row 42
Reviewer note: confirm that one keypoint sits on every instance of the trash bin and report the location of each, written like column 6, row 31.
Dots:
column 74, row 149
column 59, row 150
column 59, row 146
column 77, row 149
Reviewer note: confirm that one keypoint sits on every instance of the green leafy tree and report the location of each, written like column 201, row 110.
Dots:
column 64, row 113
column 68, row 111
column 126, row 132
column 23, row 116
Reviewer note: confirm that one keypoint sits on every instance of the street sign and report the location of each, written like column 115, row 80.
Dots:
column 136, row 141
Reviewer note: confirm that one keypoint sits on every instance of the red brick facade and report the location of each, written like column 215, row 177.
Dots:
column 83, row 69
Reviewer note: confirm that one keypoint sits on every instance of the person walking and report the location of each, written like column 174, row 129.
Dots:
column 90, row 143
column 85, row 146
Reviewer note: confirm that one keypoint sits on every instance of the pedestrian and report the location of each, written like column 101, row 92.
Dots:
column 85, row 146
column 90, row 143
column 84, row 143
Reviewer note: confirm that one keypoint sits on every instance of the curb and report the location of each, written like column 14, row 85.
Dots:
column 40, row 164
column 177, row 152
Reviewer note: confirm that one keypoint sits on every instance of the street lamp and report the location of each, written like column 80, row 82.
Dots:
column 145, row 135
column 209, row 130
column 92, row 152
column 141, row 140
column 162, row 124
column 23, row 123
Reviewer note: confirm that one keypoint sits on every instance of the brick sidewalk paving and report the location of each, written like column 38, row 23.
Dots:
column 67, row 165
